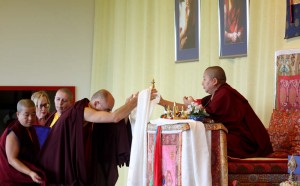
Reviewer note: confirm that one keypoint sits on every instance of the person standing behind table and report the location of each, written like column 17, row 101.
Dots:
column 42, row 103
column 19, row 148
column 247, row 137
column 63, row 100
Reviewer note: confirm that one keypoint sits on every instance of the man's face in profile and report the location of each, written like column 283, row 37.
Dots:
column 207, row 83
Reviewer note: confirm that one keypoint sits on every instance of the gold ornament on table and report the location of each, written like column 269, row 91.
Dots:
column 195, row 111
column 174, row 113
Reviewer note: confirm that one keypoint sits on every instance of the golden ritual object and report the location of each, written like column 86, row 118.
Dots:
column 168, row 112
column 153, row 84
column 178, row 114
column 174, row 113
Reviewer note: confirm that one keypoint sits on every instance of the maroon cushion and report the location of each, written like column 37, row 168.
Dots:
column 257, row 165
column 280, row 129
column 295, row 134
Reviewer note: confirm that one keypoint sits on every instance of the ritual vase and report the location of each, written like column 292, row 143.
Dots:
column 197, row 118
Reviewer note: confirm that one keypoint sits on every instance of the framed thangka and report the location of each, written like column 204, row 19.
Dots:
column 292, row 28
column 186, row 30
column 233, row 27
column 287, row 78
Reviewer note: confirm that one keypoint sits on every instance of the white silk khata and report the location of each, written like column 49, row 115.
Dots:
column 138, row 162
column 196, row 147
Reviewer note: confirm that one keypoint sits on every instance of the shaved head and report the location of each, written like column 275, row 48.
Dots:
column 216, row 72
column 101, row 94
column 25, row 103
column 103, row 100
column 68, row 92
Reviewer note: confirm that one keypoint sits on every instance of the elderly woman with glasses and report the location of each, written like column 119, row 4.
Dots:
column 42, row 104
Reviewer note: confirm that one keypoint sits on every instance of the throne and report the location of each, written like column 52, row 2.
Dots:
column 284, row 129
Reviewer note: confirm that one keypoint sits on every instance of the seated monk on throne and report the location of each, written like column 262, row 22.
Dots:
column 247, row 137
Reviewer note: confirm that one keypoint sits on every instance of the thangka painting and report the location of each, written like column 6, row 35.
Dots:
column 233, row 27
column 292, row 28
column 186, row 30
column 171, row 155
column 287, row 79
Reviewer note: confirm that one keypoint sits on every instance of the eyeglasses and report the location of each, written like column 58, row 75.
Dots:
column 46, row 105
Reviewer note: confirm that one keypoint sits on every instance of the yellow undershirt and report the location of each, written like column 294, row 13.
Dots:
column 54, row 120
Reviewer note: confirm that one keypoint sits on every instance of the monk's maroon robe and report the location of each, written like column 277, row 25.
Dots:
column 50, row 119
column 29, row 149
column 62, row 155
column 247, row 136
column 111, row 148
column 84, row 154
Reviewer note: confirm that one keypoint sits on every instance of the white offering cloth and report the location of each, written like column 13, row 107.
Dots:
column 138, row 155
column 196, row 147
column 196, row 152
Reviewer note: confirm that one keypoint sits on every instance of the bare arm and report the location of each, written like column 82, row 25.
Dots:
column 166, row 103
column 92, row 115
column 12, row 148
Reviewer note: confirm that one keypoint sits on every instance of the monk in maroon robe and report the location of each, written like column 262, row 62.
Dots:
column 63, row 100
column 247, row 136
column 70, row 156
column 19, row 149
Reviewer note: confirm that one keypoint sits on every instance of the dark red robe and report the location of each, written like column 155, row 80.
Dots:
column 247, row 136
column 111, row 148
column 28, row 155
column 50, row 119
column 77, row 154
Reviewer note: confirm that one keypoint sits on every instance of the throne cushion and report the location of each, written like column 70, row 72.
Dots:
column 280, row 131
column 295, row 134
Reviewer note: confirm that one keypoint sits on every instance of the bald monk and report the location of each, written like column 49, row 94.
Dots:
column 63, row 100
column 247, row 137
column 19, row 149
column 111, row 144
column 67, row 152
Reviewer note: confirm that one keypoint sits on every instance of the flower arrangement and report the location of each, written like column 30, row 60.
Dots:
column 196, row 111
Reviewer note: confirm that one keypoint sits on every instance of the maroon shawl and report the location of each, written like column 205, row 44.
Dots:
column 247, row 136
column 89, row 155
column 28, row 155
column 111, row 148
column 62, row 155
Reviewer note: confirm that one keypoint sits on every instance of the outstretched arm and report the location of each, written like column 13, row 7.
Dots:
column 166, row 103
column 92, row 115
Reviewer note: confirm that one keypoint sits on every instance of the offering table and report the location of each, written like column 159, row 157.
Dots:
column 185, row 147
